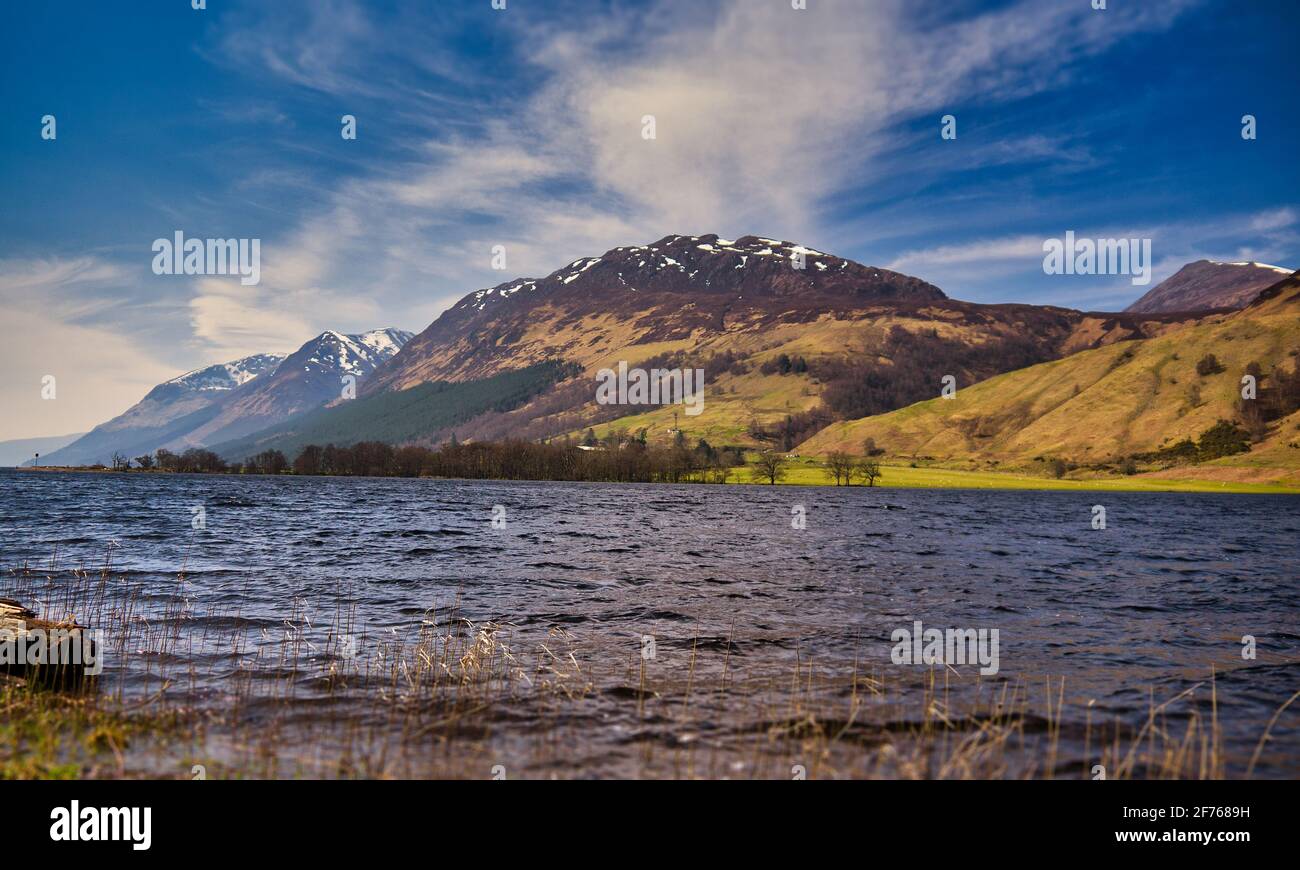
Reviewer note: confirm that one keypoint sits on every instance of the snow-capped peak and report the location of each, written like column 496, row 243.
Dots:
column 227, row 376
column 356, row 354
column 384, row 341
column 684, row 264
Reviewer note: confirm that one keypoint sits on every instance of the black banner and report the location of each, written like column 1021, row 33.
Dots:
column 1009, row 819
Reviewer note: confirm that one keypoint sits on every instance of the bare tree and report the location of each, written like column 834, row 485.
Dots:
column 770, row 467
column 868, row 470
column 145, row 462
column 840, row 465
column 120, row 462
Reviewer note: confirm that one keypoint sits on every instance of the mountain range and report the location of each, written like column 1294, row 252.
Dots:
column 871, row 336
column 231, row 399
column 23, row 451
column 802, row 349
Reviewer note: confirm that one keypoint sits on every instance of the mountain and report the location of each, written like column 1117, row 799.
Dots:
column 22, row 451
column 218, row 378
column 1127, row 399
column 167, row 411
column 657, row 294
column 229, row 400
column 417, row 414
column 308, row 378
column 865, row 339
column 1206, row 284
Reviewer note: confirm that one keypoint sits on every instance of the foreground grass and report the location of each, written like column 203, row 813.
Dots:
column 477, row 709
column 449, row 698
column 48, row 735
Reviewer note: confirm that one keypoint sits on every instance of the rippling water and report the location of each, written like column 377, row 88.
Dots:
column 1138, row 610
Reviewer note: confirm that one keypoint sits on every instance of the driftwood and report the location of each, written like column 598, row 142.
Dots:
column 44, row 654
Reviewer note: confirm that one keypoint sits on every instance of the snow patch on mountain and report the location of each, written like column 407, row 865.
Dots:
column 384, row 342
column 355, row 354
column 227, row 376
column 1278, row 269
column 695, row 257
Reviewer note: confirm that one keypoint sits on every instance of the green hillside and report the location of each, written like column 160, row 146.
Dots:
column 423, row 413
column 1101, row 406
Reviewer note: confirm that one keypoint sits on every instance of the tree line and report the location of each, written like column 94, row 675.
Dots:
column 618, row 458
column 621, row 460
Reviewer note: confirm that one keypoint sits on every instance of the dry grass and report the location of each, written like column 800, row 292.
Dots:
column 451, row 698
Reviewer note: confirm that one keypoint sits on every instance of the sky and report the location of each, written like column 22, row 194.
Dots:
column 523, row 127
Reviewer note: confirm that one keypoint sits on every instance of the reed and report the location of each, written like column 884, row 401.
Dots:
column 317, row 693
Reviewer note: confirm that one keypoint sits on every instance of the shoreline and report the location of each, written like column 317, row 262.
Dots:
column 809, row 474
column 462, row 699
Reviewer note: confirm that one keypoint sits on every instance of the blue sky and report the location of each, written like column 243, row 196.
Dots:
column 479, row 127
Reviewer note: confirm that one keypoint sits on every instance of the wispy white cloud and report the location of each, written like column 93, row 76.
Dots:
column 1010, row 251
column 983, row 263
column 1277, row 219
column 54, row 326
column 230, row 320
column 322, row 48
column 764, row 116
column 56, row 282
column 762, row 113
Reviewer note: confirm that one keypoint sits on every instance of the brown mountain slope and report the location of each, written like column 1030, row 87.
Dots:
column 734, row 307
column 670, row 291
column 1206, row 285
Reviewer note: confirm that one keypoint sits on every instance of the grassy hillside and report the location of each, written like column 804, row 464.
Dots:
column 1100, row 405
column 838, row 351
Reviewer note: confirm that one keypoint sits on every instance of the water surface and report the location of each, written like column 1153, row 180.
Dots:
column 1139, row 610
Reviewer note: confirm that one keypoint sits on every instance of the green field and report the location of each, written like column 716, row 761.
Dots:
column 811, row 472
